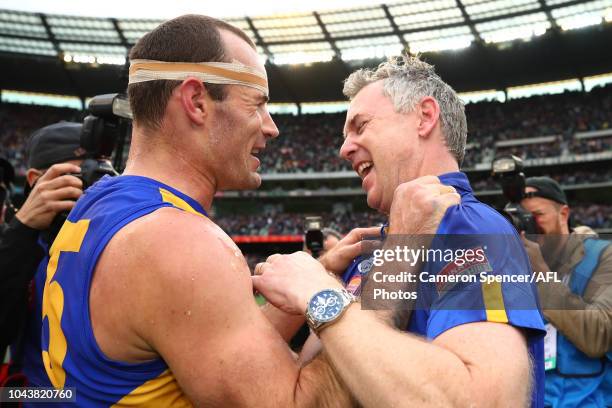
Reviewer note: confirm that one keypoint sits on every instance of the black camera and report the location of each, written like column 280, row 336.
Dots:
column 105, row 128
column 314, row 235
column 508, row 170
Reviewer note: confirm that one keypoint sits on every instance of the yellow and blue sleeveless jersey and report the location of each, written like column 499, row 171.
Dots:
column 70, row 355
column 470, row 224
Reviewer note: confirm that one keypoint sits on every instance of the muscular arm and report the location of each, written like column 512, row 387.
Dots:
column 198, row 313
column 479, row 364
column 461, row 367
column 585, row 321
column 285, row 324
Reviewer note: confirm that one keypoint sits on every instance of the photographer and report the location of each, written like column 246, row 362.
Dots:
column 53, row 153
column 578, row 309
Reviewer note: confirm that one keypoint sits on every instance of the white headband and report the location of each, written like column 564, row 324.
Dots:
column 212, row 72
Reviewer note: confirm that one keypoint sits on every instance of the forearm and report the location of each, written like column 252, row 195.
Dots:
column 319, row 386
column 588, row 325
column 384, row 367
column 312, row 347
column 286, row 324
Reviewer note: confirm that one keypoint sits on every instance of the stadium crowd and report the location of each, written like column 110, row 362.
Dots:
column 17, row 122
column 559, row 115
column 565, row 179
column 281, row 223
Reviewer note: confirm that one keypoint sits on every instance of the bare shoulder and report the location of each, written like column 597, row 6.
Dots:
column 160, row 265
column 169, row 241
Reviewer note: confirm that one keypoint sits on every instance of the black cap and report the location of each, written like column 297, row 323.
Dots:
column 7, row 173
column 546, row 188
column 54, row 144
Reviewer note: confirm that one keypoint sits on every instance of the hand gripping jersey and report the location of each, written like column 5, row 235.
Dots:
column 438, row 309
column 70, row 354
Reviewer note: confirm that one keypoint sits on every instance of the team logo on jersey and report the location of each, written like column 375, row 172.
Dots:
column 365, row 266
column 354, row 285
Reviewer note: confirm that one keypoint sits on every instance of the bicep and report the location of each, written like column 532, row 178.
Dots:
column 497, row 358
column 241, row 363
column 204, row 322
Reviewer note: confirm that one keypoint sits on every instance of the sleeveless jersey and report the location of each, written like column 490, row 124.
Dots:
column 71, row 357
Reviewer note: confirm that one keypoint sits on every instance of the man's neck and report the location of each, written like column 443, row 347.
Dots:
column 438, row 162
column 161, row 162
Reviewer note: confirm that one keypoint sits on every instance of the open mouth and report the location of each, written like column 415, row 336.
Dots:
column 364, row 169
column 255, row 153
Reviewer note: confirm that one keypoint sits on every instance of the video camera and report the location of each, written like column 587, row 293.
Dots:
column 508, row 170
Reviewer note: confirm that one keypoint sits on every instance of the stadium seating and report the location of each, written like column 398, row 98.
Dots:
column 561, row 125
column 310, row 143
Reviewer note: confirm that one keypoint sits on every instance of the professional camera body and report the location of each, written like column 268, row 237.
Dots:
column 508, row 170
column 103, row 130
column 314, row 235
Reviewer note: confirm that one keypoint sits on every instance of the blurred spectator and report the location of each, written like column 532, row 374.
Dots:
column 583, row 146
column 565, row 179
column 596, row 216
column 310, row 143
column 532, row 151
column 17, row 122
column 277, row 223
column 593, row 215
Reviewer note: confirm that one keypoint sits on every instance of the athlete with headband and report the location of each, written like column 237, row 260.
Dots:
column 146, row 300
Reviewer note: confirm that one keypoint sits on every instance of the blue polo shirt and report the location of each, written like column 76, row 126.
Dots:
column 475, row 225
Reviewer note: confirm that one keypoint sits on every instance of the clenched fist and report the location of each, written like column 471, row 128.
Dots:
column 289, row 281
column 419, row 205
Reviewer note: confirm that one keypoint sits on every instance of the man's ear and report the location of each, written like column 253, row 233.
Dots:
column 194, row 97
column 32, row 175
column 565, row 213
column 428, row 112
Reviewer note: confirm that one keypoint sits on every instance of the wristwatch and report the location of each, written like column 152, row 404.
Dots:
column 326, row 307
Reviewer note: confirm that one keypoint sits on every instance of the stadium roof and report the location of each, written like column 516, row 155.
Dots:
column 308, row 54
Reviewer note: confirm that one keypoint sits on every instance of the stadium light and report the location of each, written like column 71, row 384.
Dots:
column 361, row 53
column 580, row 21
column 515, row 33
column 441, row 45
column 479, row 96
column 111, row 60
column 597, row 80
column 608, row 15
column 85, row 59
column 546, row 88
column 298, row 58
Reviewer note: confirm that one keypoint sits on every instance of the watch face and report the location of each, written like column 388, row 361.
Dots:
column 325, row 305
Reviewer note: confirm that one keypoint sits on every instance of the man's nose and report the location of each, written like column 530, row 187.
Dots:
column 348, row 148
column 269, row 127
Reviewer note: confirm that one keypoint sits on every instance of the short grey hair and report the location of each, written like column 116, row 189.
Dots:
column 407, row 80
